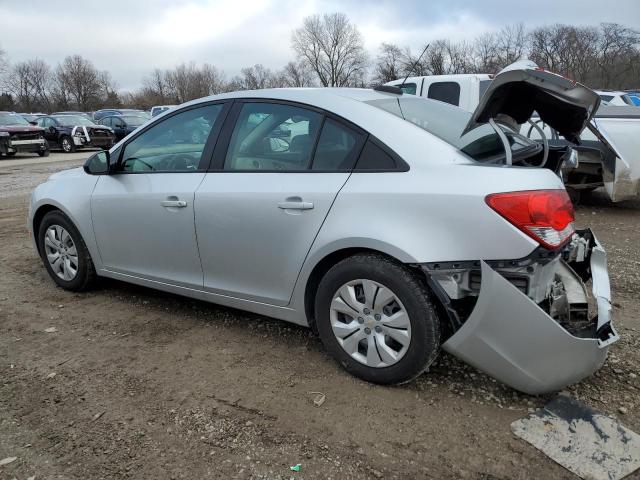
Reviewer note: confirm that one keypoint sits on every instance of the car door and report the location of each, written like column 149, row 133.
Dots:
column 143, row 214
column 119, row 127
column 277, row 169
column 50, row 134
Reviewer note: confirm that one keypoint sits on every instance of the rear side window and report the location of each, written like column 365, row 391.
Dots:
column 448, row 92
column 338, row 147
column 273, row 137
column 375, row 157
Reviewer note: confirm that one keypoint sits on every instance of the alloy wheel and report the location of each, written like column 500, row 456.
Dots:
column 66, row 145
column 370, row 323
column 61, row 252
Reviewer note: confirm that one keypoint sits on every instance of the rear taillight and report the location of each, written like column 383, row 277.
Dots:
column 545, row 215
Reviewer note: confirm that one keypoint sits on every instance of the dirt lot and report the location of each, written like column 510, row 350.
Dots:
column 141, row 384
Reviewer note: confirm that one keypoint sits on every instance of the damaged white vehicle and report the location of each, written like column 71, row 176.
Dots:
column 394, row 225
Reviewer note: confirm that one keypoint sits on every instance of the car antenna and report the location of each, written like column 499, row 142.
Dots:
column 414, row 66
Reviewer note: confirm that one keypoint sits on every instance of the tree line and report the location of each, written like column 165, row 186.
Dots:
column 329, row 51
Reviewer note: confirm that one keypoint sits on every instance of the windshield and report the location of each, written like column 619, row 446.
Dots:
column 73, row 121
column 447, row 123
column 7, row 119
column 133, row 121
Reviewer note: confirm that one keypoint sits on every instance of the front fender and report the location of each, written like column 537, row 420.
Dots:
column 70, row 194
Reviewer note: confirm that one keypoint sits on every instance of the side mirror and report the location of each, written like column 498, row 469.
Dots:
column 52, row 129
column 33, row 123
column 98, row 164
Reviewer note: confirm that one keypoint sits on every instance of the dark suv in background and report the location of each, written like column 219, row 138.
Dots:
column 18, row 135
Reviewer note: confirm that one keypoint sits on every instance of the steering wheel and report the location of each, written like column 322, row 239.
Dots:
column 181, row 160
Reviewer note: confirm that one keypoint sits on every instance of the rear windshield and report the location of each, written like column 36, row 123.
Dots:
column 448, row 122
column 73, row 121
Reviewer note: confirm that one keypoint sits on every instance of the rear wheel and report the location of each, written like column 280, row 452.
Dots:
column 64, row 252
column 376, row 319
column 67, row 145
column 11, row 154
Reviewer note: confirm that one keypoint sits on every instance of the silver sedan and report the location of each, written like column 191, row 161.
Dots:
column 393, row 225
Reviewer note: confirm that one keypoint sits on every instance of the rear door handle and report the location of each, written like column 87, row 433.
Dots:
column 174, row 203
column 295, row 205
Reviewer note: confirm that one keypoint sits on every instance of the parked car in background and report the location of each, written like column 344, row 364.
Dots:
column 17, row 135
column 81, row 114
column 32, row 117
column 122, row 125
column 610, row 157
column 463, row 90
column 70, row 132
column 635, row 97
column 100, row 114
column 158, row 109
column 396, row 225
column 612, row 97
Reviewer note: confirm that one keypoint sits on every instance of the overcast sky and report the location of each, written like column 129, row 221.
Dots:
column 131, row 37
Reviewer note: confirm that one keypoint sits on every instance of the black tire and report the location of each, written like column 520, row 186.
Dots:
column 11, row 154
column 414, row 295
column 44, row 153
column 67, row 145
column 86, row 273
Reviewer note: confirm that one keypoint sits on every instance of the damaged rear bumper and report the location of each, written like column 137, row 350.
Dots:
column 510, row 337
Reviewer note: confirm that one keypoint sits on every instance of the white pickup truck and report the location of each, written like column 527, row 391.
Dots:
column 608, row 154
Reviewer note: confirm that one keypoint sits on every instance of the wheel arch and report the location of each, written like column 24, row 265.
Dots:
column 324, row 264
column 40, row 213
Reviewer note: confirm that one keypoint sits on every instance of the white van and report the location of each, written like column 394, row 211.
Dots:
column 464, row 90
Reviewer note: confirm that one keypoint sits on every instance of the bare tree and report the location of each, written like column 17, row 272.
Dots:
column 618, row 55
column 389, row 64
column 295, row 74
column 29, row 83
column 333, row 48
column 256, row 77
column 78, row 82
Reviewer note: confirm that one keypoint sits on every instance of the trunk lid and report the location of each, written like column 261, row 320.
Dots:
column 523, row 88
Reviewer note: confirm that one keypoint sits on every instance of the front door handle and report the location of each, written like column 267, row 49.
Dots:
column 297, row 205
column 174, row 203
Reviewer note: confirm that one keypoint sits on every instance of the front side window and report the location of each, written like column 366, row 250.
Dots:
column 270, row 136
column 448, row 92
column 173, row 145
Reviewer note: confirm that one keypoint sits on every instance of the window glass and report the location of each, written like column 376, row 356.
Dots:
column 337, row 148
column 484, row 84
column 606, row 98
column 448, row 123
column 269, row 136
column 373, row 157
column 408, row 88
column 448, row 92
column 173, row 145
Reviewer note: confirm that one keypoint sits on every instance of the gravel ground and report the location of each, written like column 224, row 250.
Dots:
column 136, row 383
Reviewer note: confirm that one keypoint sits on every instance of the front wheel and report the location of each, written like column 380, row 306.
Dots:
column 44, row 153
column 376, row 318
column 64, row 252
column 67, row 145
